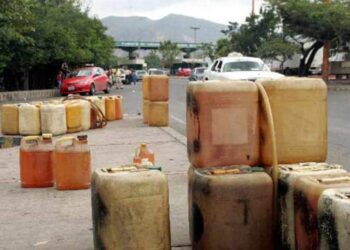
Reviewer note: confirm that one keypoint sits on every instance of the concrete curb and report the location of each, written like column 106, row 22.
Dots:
column 10, row 141
column 339, row 87
column 28, row 95
column 176, row 135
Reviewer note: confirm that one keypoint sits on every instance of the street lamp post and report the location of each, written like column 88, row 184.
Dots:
column 195, row 33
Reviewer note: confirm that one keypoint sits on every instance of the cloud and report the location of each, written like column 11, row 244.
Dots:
column 220, row 11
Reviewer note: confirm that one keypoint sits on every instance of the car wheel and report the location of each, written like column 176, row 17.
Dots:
column 108, row 89
column 92, row 89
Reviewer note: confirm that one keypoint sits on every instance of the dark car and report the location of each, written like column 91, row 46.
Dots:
column 197, row 74
column 86, row 80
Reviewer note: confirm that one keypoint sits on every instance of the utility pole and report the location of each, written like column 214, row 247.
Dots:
column 194, row 33
column 253, row 7
column 326, row 48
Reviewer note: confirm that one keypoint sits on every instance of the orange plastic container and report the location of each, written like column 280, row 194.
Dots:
column 110, row 108
column 158, row 88
column 72, row 163
column 231, row 208
column 118, row 107
column 35, row 161
column 307, row 193
column 222, row 123
column 143, row 152
column 145, row 87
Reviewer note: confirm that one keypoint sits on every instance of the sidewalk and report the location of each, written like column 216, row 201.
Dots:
column 51, row 219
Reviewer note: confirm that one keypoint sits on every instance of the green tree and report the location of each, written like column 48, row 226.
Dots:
column 277, row 49
column 41, row 34
column 310, row 23
column 169, row 52
column 153, row 60
column 223, row 47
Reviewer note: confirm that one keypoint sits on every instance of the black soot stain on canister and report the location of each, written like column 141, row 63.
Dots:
column 198, row 225
column 328, row 227
column 99, row 213
column 282, row 234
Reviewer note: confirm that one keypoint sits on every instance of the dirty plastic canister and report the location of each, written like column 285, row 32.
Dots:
column 29, row 119
column 10, row 119
column 130, row 209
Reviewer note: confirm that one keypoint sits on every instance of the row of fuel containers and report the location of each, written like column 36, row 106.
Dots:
column 67, row 164
column 235, row 207
column 60, row 117
column 155, row 92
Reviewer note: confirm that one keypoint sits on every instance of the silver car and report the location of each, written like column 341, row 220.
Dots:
column 197, row 74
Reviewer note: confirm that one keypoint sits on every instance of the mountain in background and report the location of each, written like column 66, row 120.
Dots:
column 176, row 28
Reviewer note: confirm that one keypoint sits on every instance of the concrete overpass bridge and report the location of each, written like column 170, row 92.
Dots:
column 131, row 46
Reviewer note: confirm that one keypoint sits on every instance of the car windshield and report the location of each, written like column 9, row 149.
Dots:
column 80, row 73
column 200, row 70
column 156, row 72
column 244, row 66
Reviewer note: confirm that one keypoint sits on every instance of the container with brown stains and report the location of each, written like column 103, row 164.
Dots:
column 130, row 209
column 307, row 193
column 299, row 108
column 53, row 119
column 231, row 208
column 288, row 175
column 222, row 123
column 158, row 114
column 158, row 88
column 334, row 218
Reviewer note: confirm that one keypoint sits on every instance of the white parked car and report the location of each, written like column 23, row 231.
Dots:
column 239, row 68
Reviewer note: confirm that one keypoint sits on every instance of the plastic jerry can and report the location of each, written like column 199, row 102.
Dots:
column 53, row 119
column 35, row 161
column 85, row 115
column 334, row 218
column 143, row 152
column 299, row 108
column 145, row 87
column 288, row 174
column 307, row 192
column 101, row 103
column 72, row 163
column 158, row 114
column 73, row 116
column 110, row 108
column 158, row 88
column 130, row 209
column 29, row 119
column 232, row 208
column 222, row 123
column 118, row 107
column 10, row 119
column 145, row 111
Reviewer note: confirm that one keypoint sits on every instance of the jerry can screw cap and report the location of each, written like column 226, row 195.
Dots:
column 82, row 137
column 47, row 136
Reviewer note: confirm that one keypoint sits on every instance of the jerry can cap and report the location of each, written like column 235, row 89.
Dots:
column 82, row 137
column 47, row 136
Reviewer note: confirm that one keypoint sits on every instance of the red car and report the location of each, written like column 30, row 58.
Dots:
column 86, row 80
column 184, row 72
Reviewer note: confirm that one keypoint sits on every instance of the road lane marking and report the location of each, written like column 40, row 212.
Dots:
column 177, row 119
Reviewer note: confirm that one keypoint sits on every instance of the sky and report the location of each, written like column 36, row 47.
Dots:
column 219, row 11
